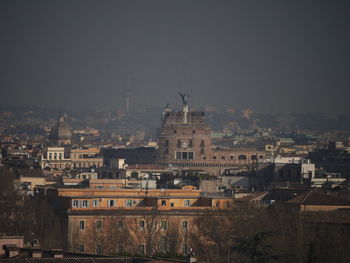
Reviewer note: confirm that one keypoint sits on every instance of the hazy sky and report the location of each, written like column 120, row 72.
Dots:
column 270, row 56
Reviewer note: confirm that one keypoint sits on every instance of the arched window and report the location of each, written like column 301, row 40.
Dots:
column 242, row 157
column 55, row 156
column 50, row 156
column 60, row 156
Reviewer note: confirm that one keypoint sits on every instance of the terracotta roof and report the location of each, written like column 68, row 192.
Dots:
column 318, row 198
column 66, row 260
column 164, row 261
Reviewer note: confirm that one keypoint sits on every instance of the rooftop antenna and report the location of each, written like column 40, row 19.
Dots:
column 185, row 81
column 127, row 94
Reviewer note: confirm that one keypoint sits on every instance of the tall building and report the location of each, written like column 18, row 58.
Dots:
column 185, row 143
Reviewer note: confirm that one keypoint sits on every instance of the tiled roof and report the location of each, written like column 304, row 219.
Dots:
column 318, row 198
column 66, row 260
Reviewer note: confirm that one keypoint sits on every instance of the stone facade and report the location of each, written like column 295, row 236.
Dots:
column 185, row 143
column 60, row 158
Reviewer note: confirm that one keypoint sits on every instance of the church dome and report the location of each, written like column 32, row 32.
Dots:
column 61, row 134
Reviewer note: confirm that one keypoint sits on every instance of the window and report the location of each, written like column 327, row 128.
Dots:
column 111, row 203
column 120, row 248
column 98, row 249
column 231, row 157
column 75, row 203
column 81, row 225
column 85, row 203
column 81, row 248
column 95, row 203
column 163, row 203
column 185, row 225
column 142, row 225
column 187, row 203
column 222, row 157
column 194, row 132
column 166, row 144
column 175, row 132
column 242, row 157
column 120, row 225
column 202, row 151
column 185, row 249
column 172, row 204
column 178, row 155
column 98, row 225
column 142, row 249
column 178, row 143
column 190, row 144
column 184, row 155
column 163, row 225
column 163, row 244
column 202, row 143
column 128, row 203
column 214, row 157
column 60, row 156
column 50, row 156
column 55, row 156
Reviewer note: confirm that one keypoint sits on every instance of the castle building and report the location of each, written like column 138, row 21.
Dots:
column 185, row 143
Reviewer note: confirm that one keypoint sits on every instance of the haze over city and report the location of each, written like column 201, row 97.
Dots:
column 173, row 131
column 270, row 56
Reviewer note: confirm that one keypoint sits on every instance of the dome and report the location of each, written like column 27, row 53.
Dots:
column 61, row 134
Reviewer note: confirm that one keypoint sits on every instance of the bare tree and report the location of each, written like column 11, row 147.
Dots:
column 146, row 229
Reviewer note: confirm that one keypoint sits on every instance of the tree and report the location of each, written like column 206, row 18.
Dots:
column 146, row 230
column 255, row 249
column 16, row 210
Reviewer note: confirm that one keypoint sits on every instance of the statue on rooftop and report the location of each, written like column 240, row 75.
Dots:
column 184, row 98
